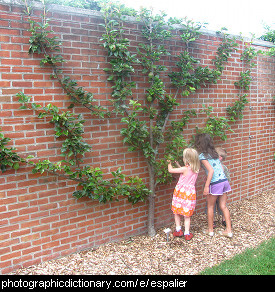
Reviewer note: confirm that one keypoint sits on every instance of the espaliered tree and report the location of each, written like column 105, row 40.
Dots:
column 147, row 125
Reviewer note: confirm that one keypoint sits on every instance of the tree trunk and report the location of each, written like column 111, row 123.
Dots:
column 151, row 198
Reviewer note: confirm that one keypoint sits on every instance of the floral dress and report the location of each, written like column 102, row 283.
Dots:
column 184, row 197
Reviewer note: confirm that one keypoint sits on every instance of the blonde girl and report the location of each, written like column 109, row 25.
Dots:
column 184, row 196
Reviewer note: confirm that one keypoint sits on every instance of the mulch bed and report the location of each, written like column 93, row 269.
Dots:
column 253, row 223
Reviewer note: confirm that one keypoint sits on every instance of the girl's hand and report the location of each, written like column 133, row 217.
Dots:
column 168, row 161
column 206, row 190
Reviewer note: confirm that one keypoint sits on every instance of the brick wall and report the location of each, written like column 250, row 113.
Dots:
column 39, row 218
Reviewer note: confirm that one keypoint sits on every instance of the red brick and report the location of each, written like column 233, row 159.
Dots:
column 40, row 218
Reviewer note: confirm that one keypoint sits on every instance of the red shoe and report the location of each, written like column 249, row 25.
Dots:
column 188, row 236
column 178, row 233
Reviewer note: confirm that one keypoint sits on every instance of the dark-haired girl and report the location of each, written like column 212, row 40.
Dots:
column 216, row 183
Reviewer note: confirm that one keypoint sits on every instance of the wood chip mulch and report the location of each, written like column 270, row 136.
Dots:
column 252, row 220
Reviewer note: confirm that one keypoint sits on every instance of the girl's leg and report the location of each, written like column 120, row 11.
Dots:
column 219, row 209
column 177, row 221
column 186, row 225
column 178, row 231
column 211, row 200
column 226, row 213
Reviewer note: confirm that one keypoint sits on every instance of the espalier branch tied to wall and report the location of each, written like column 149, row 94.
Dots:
column 69, row 128
column 147, row 127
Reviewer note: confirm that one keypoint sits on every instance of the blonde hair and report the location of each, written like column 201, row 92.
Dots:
column 222, row 152
column 191, row 157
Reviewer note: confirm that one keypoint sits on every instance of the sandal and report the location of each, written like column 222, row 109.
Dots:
column 208, row 233
column 188, row 236
column 178, row 234
column 226, row 234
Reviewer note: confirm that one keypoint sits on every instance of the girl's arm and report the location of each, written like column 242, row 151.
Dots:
column 209, row 176
column 178, row 165
column 171, row 169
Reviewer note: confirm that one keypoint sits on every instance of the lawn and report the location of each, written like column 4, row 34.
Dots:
column 253, row 261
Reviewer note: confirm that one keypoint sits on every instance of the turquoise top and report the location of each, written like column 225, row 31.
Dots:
column 218, row 175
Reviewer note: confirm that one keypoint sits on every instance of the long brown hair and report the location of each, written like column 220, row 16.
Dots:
column 204, row 144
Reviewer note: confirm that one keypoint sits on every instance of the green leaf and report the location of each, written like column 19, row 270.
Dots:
column 16, row 166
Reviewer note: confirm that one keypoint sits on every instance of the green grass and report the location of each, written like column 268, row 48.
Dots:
column 253, row 261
